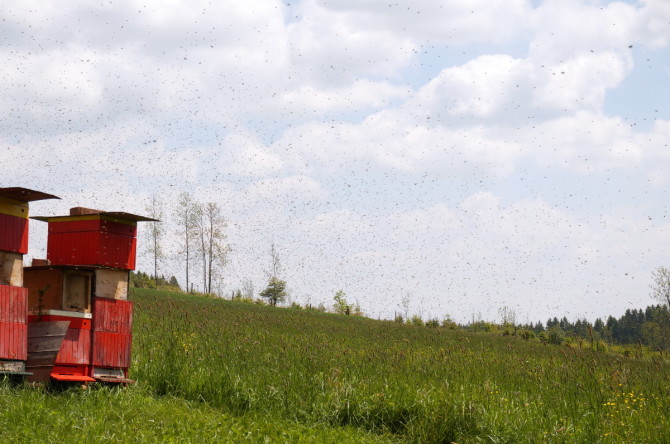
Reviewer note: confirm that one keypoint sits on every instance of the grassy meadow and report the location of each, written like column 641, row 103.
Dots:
column 222, row 371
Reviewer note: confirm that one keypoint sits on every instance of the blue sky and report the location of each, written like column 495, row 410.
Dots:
column 471, row 154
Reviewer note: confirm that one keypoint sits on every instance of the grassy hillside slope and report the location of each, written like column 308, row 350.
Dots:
column 229, row 371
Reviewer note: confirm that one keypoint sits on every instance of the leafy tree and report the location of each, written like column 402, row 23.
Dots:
column 416, row 320
column 447, row 322
column 275, row 291
column 433, row 323
column 599, row 326
column 143, row 280
column 555, row 335
column 341, row 305
column 527, row 334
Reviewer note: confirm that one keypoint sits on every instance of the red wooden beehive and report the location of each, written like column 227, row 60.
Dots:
column 97, row 343
column 92, row 237
column 13, row 296
column 90, row 254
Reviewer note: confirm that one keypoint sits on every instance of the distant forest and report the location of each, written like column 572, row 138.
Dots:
column 143, row 280
column 650, row 327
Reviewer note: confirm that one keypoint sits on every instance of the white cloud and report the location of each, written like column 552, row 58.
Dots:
column 332, row 48
column 360, row 95
column 293, row 190
column 563, row 28
column 454, row 22
column 582, row 81
column 653, row 23
column 249, row 157
column 484, row 88
column 585, row 142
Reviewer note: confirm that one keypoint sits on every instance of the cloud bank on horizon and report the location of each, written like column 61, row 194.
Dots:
column 470, row 154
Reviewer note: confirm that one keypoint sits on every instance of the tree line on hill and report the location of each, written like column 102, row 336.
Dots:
column 140, row 279
column 649, row 326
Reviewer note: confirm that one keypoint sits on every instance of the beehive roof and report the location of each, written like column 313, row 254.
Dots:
column 113, row 214
column 25, row 194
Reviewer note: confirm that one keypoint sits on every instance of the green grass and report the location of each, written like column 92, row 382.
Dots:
column 132, row 415
column 288, row 375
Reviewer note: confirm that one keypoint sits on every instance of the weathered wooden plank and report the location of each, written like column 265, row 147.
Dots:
column 48, row 328
column 41, row 359
column 112, row 284
column 77, row 291
column 12, row 366
column 48, row 283
column 40, row 373
column 11, row 269
column 44, row 344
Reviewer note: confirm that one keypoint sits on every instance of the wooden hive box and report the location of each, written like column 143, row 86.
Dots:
column 13, row 296
column 93, row 238
column 14, row 217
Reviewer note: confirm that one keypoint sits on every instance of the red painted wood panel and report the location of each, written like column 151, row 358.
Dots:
column 111, row 349
column 112, row 315
column 112, row 328
column 92, row 248
column 107, row 226
column 78, row 323
column 101, row 226
column 76, row 347
column 118, row 251
column 13, row 323
column 13, row 234
column 13, row 304
column 13, row 341
column 73, row 248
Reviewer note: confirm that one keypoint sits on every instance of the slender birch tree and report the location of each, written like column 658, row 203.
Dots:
column 186, row 219
column 276, row 288
column 660, row 289
column 211, row 226
column 155, row 210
